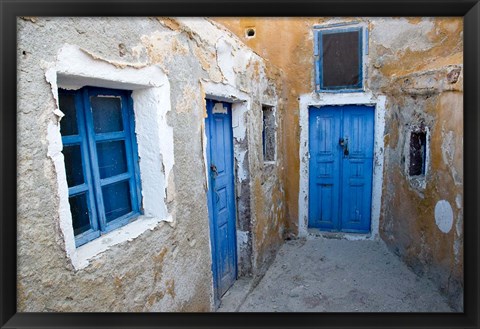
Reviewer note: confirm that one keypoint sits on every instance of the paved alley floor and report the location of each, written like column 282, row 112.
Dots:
column 320, row 274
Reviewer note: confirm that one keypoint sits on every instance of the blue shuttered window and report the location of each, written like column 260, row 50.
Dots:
column 101, row 160
column 339, row 59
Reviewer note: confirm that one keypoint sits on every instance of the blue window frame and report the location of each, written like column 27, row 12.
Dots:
column 101, row 160
column 339, row 59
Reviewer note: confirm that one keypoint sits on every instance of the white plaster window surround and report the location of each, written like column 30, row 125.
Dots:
column 75, row 68
column 357, row 98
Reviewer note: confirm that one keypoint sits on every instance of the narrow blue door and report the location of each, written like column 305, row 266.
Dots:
column 221, row 197
column 341, row 163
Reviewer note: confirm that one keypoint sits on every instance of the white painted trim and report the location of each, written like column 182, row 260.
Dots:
column 323, row 99
column 76, row 68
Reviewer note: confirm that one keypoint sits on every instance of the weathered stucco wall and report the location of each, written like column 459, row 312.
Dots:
column 417, row 64
column 167, row 267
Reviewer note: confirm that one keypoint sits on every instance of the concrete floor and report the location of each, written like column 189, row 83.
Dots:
column 319, row 274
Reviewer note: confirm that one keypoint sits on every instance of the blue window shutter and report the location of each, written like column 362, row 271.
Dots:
column 81, row 196
column 108, row 195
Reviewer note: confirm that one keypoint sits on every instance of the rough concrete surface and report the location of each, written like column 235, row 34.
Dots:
column 319, row 274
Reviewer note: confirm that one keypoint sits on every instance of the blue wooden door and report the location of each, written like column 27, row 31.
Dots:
column 341, row 163
column 221, row 197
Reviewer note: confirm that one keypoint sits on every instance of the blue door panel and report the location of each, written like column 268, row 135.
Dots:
column 221, row 202
column 340, row 182
column 324, row 159
column 357, row 169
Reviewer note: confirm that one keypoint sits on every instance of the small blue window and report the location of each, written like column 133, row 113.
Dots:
column 339, row 59
column 101, row 160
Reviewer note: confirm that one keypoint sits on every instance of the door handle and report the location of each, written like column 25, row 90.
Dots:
column 343, row 142
column 213, row 168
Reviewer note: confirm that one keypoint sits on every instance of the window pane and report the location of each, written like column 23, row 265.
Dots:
column 68, row 124
column 80, row 215
column 111, row 158
column 107, row 114
column 340, row 59
column 116, row 200
column 73, row 165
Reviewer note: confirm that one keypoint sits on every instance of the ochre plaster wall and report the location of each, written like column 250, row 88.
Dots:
column 417, row 63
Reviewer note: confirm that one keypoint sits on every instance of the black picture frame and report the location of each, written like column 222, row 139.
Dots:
column 9, row 9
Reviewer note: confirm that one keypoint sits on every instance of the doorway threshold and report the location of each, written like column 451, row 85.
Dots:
column 236, row 295
column 315, row 233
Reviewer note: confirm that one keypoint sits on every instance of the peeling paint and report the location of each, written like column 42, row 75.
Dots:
column 458, row 201
column 55, row 147
column 401, row 34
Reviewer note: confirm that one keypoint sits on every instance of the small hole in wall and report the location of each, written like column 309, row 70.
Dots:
column 250, row 32
column 24, row 53
column 418, row 153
